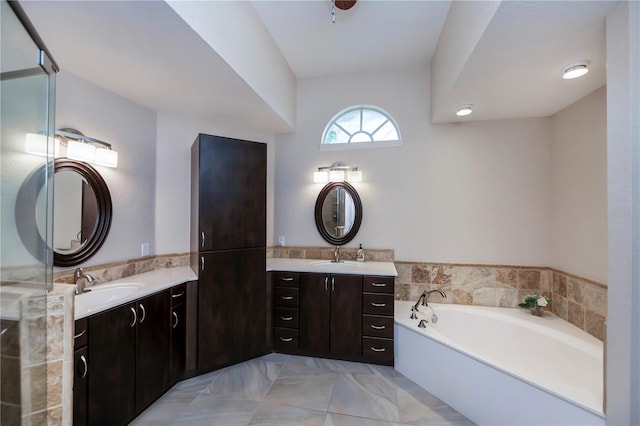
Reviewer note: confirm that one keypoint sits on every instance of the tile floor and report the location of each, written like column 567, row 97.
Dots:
column 279, row 389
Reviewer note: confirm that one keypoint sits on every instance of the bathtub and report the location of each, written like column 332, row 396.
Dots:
column 503, row 366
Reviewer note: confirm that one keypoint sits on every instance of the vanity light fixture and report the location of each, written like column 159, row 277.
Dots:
column 337, row 172
column 89, row 150
column 37, row 144
column 575, row 70
column 463, row 110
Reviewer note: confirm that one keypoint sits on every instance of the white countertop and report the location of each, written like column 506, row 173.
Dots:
column 385, row 269
column 151, row 282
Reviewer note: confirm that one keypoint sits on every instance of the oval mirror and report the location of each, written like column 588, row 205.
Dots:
column 338, row 213
column 82, row 212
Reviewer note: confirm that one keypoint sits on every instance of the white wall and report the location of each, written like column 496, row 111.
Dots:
column 473, row 192
column 579, row 188
column 131, row 130
column 623, row 169
column 173, row 177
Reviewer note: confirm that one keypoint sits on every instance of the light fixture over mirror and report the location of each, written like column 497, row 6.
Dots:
column 337, row 172
column 74, row 145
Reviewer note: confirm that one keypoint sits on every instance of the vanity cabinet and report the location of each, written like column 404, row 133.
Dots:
column 178, row 350
column 228, row 246
column 81, row 372
column 286, row 300
column 128, row 359
column 331, row 314
column 377, row 319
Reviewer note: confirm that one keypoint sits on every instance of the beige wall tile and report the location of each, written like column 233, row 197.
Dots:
column 529, row 280
column 595, row 324
column 420, row 274
column 559, row 284
column 575, row 314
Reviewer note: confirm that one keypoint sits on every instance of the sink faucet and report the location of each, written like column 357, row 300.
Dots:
column 423, row 298
column 80, row 278
column 336, row 255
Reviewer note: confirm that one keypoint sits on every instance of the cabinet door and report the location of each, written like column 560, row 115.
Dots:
column 232, row 193
column 231, row 307
column 314, row 312
column 112, row 366
column 346, row 314
column 178, row 342
column 80, row 383
column 152, row 349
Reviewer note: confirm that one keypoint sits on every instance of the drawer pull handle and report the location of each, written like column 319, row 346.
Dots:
column 202, row 239
column 378, row 305
column 286, row 297
column 144, row 313
column 378, row 349
column 80, row 334
column 286, row 339
column 286, row 278
column 178, row 295
column 175, row 317
column 135, row 317
column 379, row 284
column 378, row 327
column 84, row 365
column 286, row 318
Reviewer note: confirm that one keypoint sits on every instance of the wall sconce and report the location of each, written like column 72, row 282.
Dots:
column 78, row 147
column 337, row 172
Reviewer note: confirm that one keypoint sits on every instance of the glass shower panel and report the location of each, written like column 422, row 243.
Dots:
column 27, row 96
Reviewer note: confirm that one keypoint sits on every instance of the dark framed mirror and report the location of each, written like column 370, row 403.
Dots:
column 82, row 212
column 338, row 213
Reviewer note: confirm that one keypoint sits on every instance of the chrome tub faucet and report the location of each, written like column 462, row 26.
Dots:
column 423, row 298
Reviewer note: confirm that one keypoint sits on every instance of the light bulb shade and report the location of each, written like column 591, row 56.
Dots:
column 354, row 176
column 463, row 110
column 81, row 151
column 37, row 144
column 320, row 177
column 336, row 175
column 106, row 157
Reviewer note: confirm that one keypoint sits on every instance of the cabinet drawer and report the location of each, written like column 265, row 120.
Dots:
column 286, row 297
column 379, row 350
column 378, row 285
column 81, row 333
column 376, row 326
column 286, row 279
column 377, row 304
column 285, row 317
column 285, row 338
column 178, row 294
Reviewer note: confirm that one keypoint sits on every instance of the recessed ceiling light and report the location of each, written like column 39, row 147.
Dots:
column 463, row 110
column 575, row 70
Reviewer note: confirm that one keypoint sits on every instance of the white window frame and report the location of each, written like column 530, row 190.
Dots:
column 360, row 145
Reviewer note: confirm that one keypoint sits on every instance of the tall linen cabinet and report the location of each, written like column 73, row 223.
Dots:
column 228, row 248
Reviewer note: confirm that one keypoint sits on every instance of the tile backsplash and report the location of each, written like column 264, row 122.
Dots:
column 578, row 300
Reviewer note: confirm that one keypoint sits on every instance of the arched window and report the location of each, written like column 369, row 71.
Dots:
column 359, row 125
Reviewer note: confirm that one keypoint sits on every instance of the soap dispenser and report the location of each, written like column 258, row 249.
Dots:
column 360, row 255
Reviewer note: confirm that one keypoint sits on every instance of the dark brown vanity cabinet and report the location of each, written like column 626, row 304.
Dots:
column 377, row 319
column 128, row 359
column 81, row 372
column 228, row 246
column 286, row 300
column 331, row 314
column 178, row 349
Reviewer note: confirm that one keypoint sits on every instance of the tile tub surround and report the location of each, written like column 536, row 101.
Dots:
column 580, row 301
column 278, row 389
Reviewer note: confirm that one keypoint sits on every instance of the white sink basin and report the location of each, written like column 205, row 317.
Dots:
column 329, row 266
column 105, row 293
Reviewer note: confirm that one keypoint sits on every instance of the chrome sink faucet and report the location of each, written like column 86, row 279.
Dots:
column 81, row 280
column 336, row 255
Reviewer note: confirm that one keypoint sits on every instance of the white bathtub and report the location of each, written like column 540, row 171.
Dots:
column 503, row 366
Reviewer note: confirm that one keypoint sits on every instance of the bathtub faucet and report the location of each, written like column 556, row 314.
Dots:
column 426, row 295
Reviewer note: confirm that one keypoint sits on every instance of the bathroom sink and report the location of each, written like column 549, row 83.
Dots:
column 329, row 266
column 105, row 293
